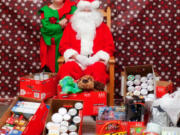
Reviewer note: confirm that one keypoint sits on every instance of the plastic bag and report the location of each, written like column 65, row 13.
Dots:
column 159, row 116
column 170, row 103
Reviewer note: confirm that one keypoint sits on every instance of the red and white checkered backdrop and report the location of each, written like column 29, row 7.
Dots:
column 144, row 31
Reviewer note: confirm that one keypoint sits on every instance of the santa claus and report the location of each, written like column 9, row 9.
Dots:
column 87, row 44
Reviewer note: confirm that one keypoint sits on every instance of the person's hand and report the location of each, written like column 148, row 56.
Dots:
column 83, row 60
column 63, row 22
column 93, row 59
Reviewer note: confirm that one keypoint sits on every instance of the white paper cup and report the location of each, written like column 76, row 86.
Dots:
column 137, row 82
column 129, row 83
column 150, row 76
column 72, row 112
column 77, row 119
column 138, row 77
column 131, row 88
column 36, row 77
column 57, row 118
column 62, row 111
column 144, row 85
column 78, row 105
column 66, row 117
column 46, row 77
column 150, row 88
column 72, row 128
column 144, row 79
column 144, row 92
column 138, row 88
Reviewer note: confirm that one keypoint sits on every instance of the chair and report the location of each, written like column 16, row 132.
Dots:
column 110, row 84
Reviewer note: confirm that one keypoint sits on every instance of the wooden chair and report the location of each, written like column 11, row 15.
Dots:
column 110, row 84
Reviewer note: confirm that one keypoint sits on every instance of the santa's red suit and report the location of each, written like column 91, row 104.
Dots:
column 101, row 47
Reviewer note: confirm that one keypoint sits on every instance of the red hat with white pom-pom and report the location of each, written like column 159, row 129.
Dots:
column 88, row 4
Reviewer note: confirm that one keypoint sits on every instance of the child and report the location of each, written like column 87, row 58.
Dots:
column 54, row 19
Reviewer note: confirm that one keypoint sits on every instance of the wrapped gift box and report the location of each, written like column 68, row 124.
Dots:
column 117, row 127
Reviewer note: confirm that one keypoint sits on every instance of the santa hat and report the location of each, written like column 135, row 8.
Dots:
column 88, row 3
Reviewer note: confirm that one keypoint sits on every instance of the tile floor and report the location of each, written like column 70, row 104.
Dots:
column 89, row 126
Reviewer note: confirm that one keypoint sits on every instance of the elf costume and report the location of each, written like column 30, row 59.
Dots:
column 99, row 49
column 52, row 32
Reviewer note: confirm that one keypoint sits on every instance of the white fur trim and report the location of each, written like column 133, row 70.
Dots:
column 69, row 53
column 86, row 46
column 95, row 4
column 103, row 55
column 82, row 4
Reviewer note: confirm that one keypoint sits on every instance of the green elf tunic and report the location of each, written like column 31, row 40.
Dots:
column 52, row 32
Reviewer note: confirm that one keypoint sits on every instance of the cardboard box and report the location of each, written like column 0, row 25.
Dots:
column 39, row 89
column 36, row 125
column 143, row 70
column 92, row 100
column 163, row 87
column 56, row 104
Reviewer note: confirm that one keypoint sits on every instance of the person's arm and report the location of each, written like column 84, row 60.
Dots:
column 65, row 21
column 50, row 28
column 73, row 9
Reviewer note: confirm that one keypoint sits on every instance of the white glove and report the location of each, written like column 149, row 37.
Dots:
column 83, row 60
column 93, row 59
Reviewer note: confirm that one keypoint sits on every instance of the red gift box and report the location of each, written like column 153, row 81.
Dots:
column 114, row 127
column 92, row 100
column 39, row 89
column 111, row 127
column 36, row 124
column 163, row 87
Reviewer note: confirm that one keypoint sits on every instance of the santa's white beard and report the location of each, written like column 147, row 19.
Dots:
column 85, row 24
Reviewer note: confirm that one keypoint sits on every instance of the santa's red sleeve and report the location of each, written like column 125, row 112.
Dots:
column 107, row 43
column 65, row 47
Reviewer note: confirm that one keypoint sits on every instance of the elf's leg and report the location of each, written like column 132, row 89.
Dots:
column 47, row 56
column 43, row 53
column 70, row 69
column 98, row 71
